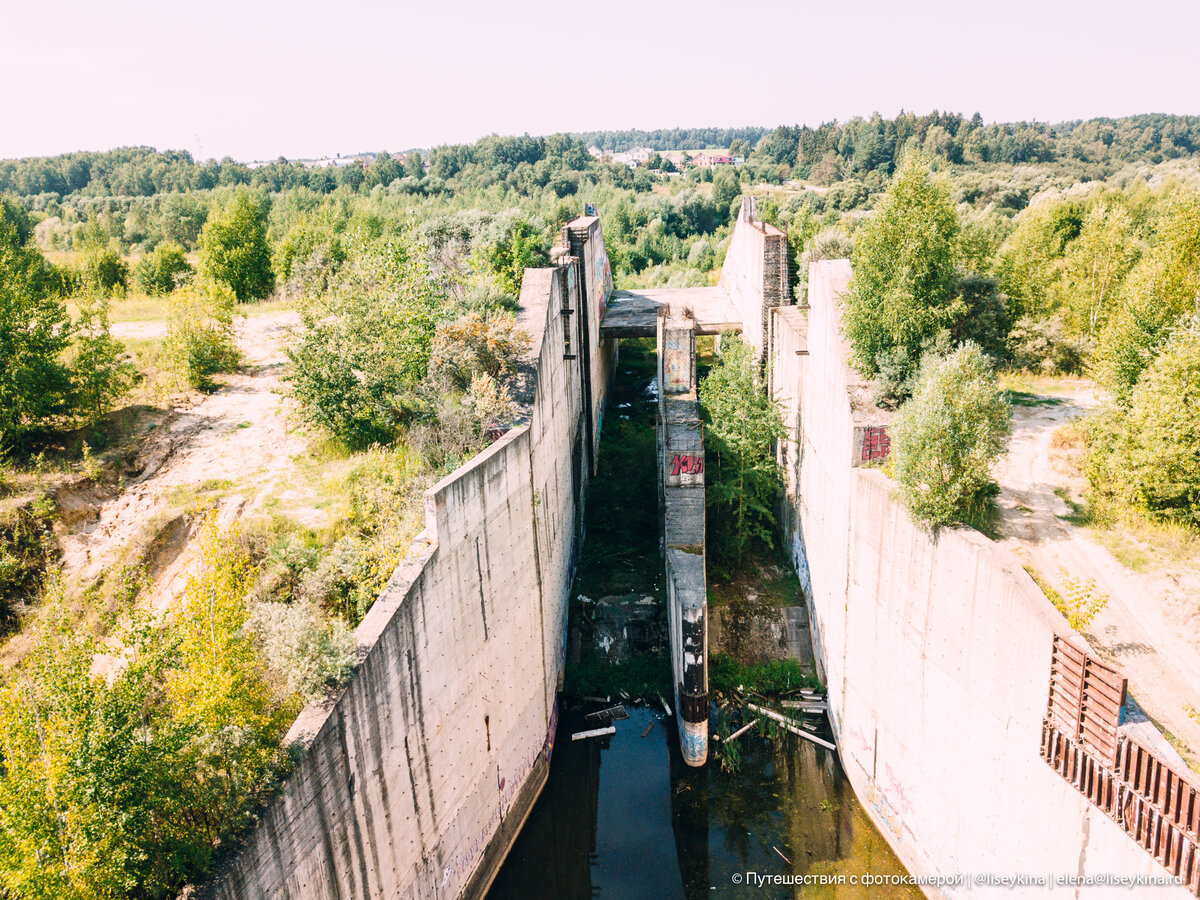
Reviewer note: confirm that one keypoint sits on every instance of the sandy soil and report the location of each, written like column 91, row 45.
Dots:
column 1151, row 625
column 232, row 444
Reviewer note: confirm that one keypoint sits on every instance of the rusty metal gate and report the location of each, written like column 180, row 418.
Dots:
column 1151, row 802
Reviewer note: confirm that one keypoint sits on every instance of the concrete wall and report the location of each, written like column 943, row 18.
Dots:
column 585, row 238
column 755, row 273
column 415, row 781
column 935, row 650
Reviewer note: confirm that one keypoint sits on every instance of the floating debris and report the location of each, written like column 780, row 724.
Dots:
column 741, row 731
column 595, row 732
column 605, row 716
column 809, row 707
column 791, row 726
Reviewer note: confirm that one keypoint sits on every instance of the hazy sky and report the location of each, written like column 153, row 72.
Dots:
column 255, row 80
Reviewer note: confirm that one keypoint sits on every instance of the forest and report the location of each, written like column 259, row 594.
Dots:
column 133, row 283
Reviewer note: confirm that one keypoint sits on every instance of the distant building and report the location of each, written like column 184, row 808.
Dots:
column 708, row 160
column 637, row 156
column 595, row 152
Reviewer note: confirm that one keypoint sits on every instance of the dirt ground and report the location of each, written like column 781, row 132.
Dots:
column 1150, row 627
column 231, row 446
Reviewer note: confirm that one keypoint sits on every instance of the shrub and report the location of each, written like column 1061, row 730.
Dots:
column 1043, row 346
column 946, row 439
column 163, row 270
column 314, row 655
column 200, row 340
column 234, row 250
column 104, row 272
column 476, row 344
column 366, row 346
column 741, row 426
column 100, row 371
column 34, row 331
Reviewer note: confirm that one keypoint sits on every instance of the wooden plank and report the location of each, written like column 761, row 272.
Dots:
column 595, row 732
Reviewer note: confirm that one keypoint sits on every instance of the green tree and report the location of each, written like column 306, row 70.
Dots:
column 521, row 246
column 1095, row 264
column 1149, row 455
column 741, row 426
column 34, row 331
column 162, row 270
column 904, row 286
column 104, row 272
column 234, row 249
column 100, row 371
column 946, row 439
column 1162, row 287
column 726, row 190
column 1029, row 267
column 366, row 346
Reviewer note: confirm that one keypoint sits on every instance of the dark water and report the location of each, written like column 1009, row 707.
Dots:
column 623, row 816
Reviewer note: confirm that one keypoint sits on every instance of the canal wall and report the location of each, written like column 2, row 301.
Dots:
column 414, row 781
column 935, row 648
column 755, row 275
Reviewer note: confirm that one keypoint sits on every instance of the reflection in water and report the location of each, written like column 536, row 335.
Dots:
column 623, row 817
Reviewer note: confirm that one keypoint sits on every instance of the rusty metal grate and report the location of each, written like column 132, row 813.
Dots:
column 1151, row 802
column 1086, row 697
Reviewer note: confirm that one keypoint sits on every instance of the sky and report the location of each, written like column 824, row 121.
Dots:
column 257, row 80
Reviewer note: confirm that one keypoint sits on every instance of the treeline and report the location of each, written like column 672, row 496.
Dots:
column 670, row 138
column 872, row 147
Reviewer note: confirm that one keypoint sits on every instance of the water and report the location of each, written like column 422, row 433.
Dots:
column 623, row 816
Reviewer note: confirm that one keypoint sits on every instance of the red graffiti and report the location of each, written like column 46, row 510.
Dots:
column 687, row 465
column 876, row 443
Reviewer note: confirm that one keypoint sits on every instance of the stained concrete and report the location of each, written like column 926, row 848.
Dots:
column 935, row 648
column 413, row 782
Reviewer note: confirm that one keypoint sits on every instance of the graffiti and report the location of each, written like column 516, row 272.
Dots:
column 677, row 363
column 903, row 804
column 693, row 741
column 887, row 815
column 876, row 443
column 604, row 280
column 687, row 465
column 463, row 864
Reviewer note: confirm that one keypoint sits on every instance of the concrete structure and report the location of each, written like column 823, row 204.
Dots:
column 680, row 438
column 414, row 782
column 636, row 313
column 935, row 648
column 755, row 274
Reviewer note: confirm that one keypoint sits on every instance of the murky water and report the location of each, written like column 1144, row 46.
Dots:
column 623, row 816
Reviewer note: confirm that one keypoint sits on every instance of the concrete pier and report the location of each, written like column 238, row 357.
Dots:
column 681, row 475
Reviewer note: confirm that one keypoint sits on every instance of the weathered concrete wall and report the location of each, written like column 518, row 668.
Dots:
column 585, row 238
column 935, row 650
column 414, row 782
column 755, row 274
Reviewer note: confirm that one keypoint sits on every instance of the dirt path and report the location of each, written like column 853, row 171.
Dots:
column 232, row 446
column 1151, row 625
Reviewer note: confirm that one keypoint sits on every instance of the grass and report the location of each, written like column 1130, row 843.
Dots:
column 726, row 674
column 1037, row 386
